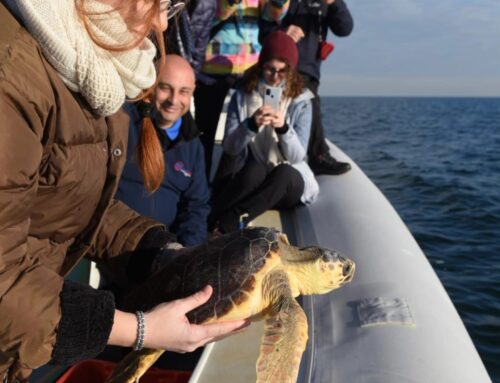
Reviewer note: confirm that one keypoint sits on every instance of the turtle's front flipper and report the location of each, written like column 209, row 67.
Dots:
column 134, row 365
column 285, row 335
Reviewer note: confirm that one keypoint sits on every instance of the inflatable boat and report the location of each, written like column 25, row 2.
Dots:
column 394, row 323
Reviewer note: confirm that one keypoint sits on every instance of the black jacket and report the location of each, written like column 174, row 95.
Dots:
column 201, row 12
column 188, row 34
column 315, row 18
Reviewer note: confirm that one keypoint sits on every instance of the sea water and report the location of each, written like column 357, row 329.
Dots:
column 438, row 161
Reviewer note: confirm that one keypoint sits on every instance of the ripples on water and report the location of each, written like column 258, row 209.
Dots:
column 438, row 161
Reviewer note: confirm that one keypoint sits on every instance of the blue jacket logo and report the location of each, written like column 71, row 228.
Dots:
column 180, row 167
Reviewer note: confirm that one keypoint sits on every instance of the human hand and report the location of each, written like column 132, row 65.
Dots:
column 168, row 328
column 263, row 115
column 278, row 119
column 295, row 32
column 328, row 2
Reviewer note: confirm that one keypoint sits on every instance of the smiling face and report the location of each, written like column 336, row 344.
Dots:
column 274, row 72
column 172, row 96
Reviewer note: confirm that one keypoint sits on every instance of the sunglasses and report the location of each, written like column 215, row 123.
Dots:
column 172, row 9
column 272, row 71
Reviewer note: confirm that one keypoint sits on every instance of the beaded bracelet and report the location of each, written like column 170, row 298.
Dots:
column 139, row 342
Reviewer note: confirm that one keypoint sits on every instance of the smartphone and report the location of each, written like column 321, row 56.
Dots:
column 272, row 97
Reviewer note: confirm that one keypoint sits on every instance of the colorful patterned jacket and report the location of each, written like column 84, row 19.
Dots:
column 234, row 44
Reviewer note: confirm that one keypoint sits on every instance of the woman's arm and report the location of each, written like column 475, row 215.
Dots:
column 293, row 143
column 119, row 235
column 167, row 326
column 29, row 291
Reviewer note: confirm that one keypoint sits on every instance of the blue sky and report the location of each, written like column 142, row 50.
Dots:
column 417, row 48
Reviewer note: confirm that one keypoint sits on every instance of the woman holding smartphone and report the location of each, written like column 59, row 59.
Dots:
column 66, row 68
column 264, row 162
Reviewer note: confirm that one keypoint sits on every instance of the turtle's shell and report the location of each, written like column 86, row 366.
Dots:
column 229, row 263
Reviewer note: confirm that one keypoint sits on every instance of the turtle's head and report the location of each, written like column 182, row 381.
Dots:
column 326, row 271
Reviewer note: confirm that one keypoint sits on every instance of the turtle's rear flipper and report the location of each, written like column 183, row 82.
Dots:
column 134, row 365
column 283, row 343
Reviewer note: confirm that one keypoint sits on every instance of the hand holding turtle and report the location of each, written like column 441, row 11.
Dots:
column 168, row 328
column 255, row 273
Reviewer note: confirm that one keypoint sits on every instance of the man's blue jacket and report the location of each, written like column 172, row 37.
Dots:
column 182, row 201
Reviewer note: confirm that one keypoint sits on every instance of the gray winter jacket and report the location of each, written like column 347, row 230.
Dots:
column 293, row 143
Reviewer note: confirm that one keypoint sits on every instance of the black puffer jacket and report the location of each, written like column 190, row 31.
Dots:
column 202, row 12
column 315, row 18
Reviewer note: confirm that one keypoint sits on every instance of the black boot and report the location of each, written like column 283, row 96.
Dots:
column 326, row 164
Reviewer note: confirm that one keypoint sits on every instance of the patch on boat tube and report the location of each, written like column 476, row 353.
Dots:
column 384, row 311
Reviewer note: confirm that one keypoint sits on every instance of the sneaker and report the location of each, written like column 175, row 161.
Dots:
column 326, row 164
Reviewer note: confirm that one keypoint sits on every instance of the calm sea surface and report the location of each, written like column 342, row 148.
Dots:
column 438, row 161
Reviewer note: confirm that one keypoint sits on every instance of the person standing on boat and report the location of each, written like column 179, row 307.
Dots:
column 264, row 162
column 232, row 48
column 66, row 68
column 181, row 200
column 307, row 22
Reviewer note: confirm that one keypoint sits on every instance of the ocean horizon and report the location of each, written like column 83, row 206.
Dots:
column 410, row 97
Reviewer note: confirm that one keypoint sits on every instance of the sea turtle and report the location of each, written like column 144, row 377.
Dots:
column 254, row 273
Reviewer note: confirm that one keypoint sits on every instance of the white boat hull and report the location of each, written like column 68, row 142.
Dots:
column 394, row 323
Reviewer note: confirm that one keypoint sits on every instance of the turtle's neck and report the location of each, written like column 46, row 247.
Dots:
column 299, row 279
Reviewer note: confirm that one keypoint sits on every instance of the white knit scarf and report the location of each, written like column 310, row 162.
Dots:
column 104, row 78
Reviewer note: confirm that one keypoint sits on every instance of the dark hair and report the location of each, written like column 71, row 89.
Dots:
column 293, row 86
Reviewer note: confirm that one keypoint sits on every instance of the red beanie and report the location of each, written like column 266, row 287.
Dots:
column 278, row 45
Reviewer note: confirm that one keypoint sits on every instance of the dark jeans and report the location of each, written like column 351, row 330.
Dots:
column 317, row 144
column 208, row 102
column 254, row 190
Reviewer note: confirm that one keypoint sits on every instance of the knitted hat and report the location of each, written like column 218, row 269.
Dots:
column 278, row 45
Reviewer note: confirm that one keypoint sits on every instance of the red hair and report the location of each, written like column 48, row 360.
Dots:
column 149, row 151
column 152, row 15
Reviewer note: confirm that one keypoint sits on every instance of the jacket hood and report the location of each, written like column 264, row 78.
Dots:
column 304, row 96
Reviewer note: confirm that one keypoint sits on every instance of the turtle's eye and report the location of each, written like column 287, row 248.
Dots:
column 347, row 268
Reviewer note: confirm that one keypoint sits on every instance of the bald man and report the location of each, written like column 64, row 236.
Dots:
column 181, row 202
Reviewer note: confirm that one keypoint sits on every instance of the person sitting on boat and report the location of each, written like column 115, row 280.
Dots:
column 180, row 201
column 308, row 23
column 264, row 162
column 224, row 53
